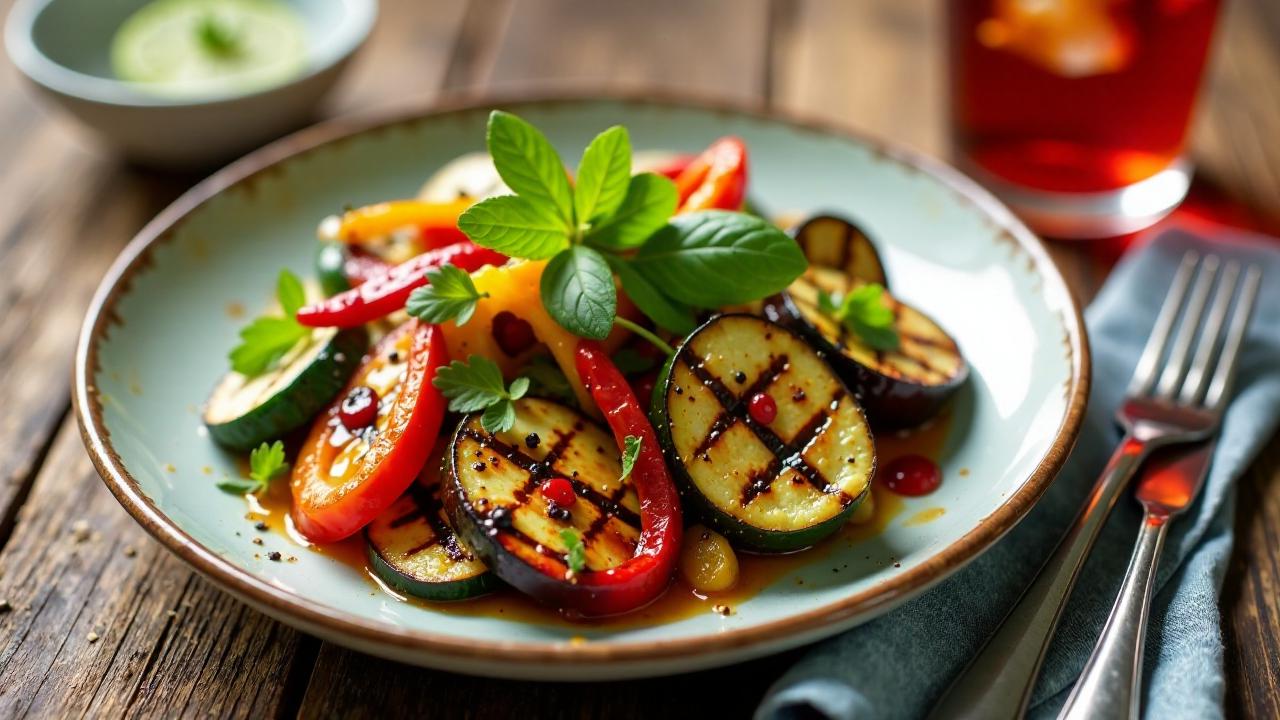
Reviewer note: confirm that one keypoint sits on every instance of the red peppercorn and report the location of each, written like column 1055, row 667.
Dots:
column 762, row 408
column 359, row 408
column 514, row 335
column 912, row 475
column 558, row 490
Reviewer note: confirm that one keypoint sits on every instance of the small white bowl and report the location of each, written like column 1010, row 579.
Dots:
column 63, row 47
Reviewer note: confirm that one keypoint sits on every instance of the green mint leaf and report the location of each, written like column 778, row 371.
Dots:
column 547, row 380
column 498, row 417
column 530, row 166
column 471, row 386
column 603, row 175
column 263, row 342
column 630, row 451
column 519, row 388
column 867, row 313
column 715, row 257
column 631, row 362
column 575, row 552
column 516, row 226
column 577, row 291
column 650, row 200
column 668, row 314
column 266, row 462
column 451, row 295
column 290, row 293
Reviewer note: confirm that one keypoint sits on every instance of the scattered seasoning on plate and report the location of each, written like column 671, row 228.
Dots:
column 273, row 556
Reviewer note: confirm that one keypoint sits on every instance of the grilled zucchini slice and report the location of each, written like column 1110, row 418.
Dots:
column 492, row 498
column 245, row 411
column 774, row 487
column 832, row 242
column 413, row 548
column 900, row 388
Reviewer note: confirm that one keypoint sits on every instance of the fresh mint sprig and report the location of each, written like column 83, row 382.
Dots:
column 610, row 223
column 265, row 340
column 866, row 312
column 476, row 385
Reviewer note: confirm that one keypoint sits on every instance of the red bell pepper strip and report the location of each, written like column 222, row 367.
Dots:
column 716, row 180
column 643, row 577
column 382, row 295
column 360, row 266
column 341, row 479
column 672, row 168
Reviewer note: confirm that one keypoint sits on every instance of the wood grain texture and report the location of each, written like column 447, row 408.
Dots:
column 169, row 644
column 105, row 622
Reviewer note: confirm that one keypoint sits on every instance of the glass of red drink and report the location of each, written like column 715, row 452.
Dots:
column 1075, row 112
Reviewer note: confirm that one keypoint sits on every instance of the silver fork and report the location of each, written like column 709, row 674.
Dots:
column 1109, row 685
column 999, row 680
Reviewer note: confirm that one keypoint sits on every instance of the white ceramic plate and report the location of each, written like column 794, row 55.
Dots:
column 156, row 338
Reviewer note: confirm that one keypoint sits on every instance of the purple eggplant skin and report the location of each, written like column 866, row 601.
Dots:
column 890, row 403
column 853, row 252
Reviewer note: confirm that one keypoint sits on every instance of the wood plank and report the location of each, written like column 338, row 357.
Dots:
column 66, row 208
column 873, row 65
column 105, row 622
column 712, row 48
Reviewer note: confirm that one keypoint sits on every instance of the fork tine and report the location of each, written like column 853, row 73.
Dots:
column 1193, row 386
column 1176, row 365
column 1225, row 373
column 1144, row 373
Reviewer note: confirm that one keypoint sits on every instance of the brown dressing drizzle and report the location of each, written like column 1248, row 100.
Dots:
column 755, row 572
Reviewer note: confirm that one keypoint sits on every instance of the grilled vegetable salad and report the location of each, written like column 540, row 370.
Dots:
column 535, row 378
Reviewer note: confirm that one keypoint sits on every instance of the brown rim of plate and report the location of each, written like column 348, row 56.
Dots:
column 291, row 606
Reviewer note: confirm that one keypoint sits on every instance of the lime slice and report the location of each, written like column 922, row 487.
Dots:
column 210, row 47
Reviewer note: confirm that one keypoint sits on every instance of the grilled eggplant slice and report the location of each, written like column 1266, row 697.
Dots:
column 492, row 498
column 832, row 242
column 773, row 486
column 413, row 548
column 900, row 388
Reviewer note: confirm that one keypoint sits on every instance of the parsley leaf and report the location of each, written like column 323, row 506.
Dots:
column 265, row 340
column 290, row 293
column 630, row 451
column 450, row 295
column 265, row 462
column 575, row 552
column 516, row 226
column 477, row 385
column 714, row 257
column 603, row 175
column 867, row 313
column 650, row 200
column 577, row 291
column 218, row 37
column 529, row 165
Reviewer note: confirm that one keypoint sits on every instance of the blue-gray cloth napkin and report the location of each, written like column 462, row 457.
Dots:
column 898, row 665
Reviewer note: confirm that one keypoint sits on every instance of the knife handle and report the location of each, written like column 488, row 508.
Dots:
column 997, row 685
column 1110, row 685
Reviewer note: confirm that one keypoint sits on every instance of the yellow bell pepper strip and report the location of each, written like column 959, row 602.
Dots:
column 513, row 288
column 438, row 222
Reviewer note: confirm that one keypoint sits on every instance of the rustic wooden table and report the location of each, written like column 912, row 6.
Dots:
column 96, row 618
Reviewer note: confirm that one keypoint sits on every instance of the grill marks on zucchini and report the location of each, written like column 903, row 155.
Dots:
column 412, row 548
column 775, row 487
column 787, row 454
column 493, row 495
